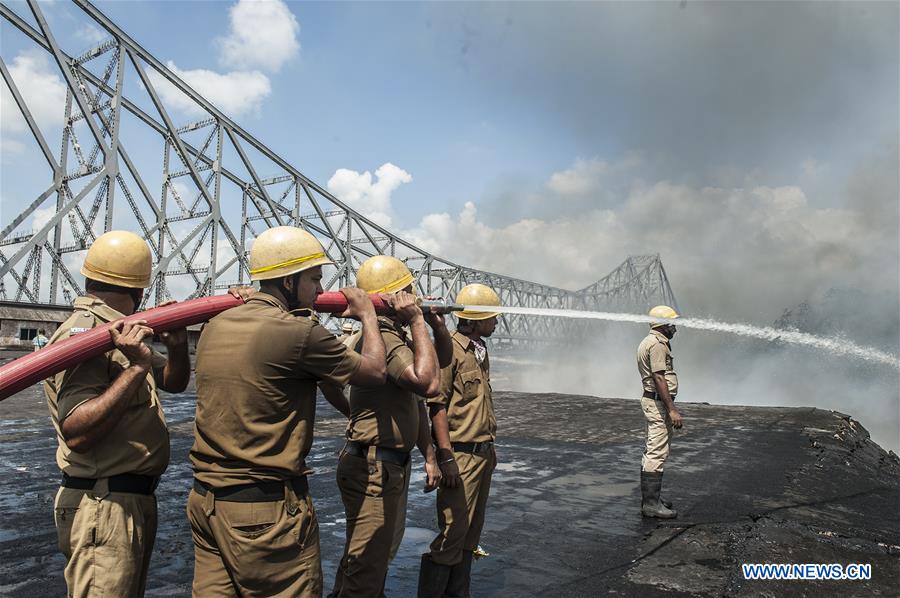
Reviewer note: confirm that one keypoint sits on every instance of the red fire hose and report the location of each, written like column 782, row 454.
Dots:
column 25, row 371
column 334, row 302
column 34, row 367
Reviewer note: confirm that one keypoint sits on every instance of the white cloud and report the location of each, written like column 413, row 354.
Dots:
column 42, row 89
column 372, row 199
column 590, row 177
column 10, row 146
column 263, row 35
column 723, row 247
column 42, row 216
column 91, row 33
column 235, row 93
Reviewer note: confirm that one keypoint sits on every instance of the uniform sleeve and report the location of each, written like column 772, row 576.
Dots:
column 326, row 358
column 81, row 383
column 158, row 359
column 658, row 357
column 447, row 375
column 398, row 355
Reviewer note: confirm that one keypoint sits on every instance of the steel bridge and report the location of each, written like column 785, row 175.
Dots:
column 209, row 191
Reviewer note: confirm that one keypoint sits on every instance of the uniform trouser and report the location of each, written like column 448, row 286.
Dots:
column 400, row 528
column 107, row 539
column 461, row 510
column 659, row 435
column 373, row 495
column 255, row 549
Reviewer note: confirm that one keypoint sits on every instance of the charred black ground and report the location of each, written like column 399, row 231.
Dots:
column 752, row 484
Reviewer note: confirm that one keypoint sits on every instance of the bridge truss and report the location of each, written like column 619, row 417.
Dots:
column 208, row 190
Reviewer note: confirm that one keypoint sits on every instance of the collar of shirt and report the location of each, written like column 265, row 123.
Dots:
column 467, row 344
column 461, row 339
column 268, row 299
column 98, row 308
column 662, row 337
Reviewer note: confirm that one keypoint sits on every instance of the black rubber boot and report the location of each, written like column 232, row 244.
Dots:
column 460, row 574
column 651, row 483
column 432, row 578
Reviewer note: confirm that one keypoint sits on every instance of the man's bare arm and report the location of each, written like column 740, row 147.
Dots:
column 177, row 372
column 92, row 420
column 372, row 370
column 432, row 470
column 662, row 390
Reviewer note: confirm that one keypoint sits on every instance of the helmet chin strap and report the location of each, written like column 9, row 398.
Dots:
column 293, row 302
column 136, row 296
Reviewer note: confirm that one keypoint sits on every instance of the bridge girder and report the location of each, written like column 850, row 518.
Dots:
column 212, row 200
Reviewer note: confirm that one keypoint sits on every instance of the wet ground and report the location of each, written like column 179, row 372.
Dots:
column 752, row 485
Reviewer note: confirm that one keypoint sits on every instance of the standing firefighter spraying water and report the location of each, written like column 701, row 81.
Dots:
column 464, row 429
column 113, row 441
column 654, row 360
column 385, row 423
column 254, row 528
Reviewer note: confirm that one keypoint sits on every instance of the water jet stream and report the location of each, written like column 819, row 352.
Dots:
column 836, row 346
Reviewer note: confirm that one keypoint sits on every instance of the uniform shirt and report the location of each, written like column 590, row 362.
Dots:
column 655, row 355
column 466, row 394
column 386, row 415
column 139, row 441
column 256, row 374
column 39, row 342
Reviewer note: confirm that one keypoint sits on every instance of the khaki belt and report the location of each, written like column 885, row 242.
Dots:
column 472, row 447
column 258, row 492
column 131, row 483
column 360, row 449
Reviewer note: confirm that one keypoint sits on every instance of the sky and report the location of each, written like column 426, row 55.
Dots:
column 763, row 133
column 753, row 145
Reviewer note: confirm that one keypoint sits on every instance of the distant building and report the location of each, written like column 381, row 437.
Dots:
column 20, row 322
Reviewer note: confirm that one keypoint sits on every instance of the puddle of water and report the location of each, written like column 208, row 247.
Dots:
column 415, row 542
column 8, row 534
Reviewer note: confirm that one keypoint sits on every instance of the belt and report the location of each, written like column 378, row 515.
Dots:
column 654, row 396
column 131, row 483
column 359, row 449
column 258, row 492
column 472, row 447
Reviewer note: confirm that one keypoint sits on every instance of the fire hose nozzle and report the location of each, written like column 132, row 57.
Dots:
column 441, row 306
column 334, row 302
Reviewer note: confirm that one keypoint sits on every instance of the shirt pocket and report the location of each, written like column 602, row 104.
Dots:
column 471, row 384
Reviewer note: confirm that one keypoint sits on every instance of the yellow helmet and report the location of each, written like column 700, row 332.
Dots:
column 383, row 274
column 121, row 258
column 477, row 294
column 662, row 311
column 285, row 250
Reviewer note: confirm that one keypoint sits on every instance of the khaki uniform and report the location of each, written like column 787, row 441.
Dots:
column 655, row 355
column 106, row 537
column 256, row 374
column 374, row 491
column 466, row 394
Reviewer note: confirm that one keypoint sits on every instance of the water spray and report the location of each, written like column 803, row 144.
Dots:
column 837, row 346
